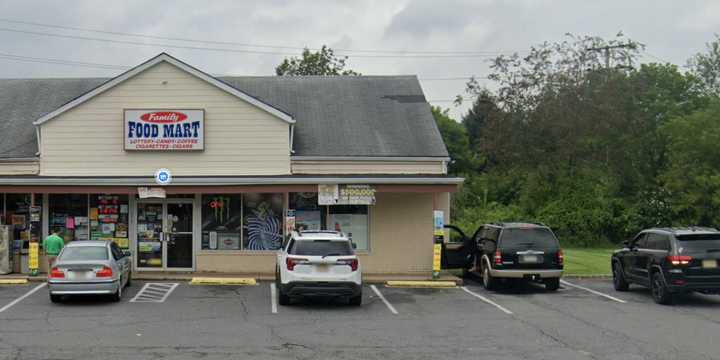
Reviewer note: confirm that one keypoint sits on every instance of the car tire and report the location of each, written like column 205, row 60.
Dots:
column 489, row 282
column 129, row 279
column 117, row 296
column 283, row 299
column 356, row 300
column 619, row 282
column 659, row 290
column 552, row 284
column 55, row 298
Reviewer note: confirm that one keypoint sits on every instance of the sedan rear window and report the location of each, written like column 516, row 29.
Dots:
column 321, row 248
column 79, row 253
column 700, row 241
column 540, row 237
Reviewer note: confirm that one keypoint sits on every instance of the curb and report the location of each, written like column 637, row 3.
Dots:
column 13, row 281
column 222, row 281
column 421, row 284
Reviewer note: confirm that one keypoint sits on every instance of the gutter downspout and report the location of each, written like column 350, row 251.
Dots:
column 37, row 138
column 292, row 138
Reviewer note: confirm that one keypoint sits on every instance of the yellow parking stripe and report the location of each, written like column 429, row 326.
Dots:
column 13, row 281
column 222, row 281
column 421, row 284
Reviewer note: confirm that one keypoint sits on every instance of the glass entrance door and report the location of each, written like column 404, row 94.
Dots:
column 165, row 234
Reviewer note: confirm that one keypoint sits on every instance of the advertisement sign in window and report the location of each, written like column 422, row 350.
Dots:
column 164, row 130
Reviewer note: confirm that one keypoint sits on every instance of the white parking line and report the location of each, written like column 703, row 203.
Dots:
column 387, row 303
column 22, row 297
column 503, row 309
column 593, row 292
column 273, row 298
column 154, row 292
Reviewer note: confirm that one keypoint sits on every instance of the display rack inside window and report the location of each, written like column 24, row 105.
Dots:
column 69, row 214
column 109, row 215
column 25, row 224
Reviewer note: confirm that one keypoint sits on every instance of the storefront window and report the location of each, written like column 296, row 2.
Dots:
column 69, row 214
column 109, row 219
column 353, row 221
column 262, row 221
column 221, row 222
column 17, row 214
column 2, row 209
column 308, row 214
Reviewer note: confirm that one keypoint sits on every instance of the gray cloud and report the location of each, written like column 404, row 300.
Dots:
column 672, row 30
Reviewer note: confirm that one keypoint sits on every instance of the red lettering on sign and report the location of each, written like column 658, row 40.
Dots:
column 164, row 117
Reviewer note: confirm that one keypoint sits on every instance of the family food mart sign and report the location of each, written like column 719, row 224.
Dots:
column 164, row 130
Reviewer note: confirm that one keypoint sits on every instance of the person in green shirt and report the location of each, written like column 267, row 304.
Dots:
column 52, row 245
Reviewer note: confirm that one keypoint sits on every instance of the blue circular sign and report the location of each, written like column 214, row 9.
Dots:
column 163, row 177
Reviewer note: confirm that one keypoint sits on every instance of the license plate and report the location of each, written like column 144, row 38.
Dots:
column 532, row 259
column 709, row 264
column 78, row 275
column 322, row 268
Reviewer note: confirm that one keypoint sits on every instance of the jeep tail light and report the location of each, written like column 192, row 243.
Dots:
column 291, row 262
column 104, row 272
column 56, row 273
column 352, row 263
column 560, row 257
column 498, row 257
column 679, row 259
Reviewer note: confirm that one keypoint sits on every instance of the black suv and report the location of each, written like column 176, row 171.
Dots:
column 670, row 261
column 510, row 251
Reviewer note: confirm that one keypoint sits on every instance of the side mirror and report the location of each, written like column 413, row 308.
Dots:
column 127, row 253
column 626, row 243
column 354, row 245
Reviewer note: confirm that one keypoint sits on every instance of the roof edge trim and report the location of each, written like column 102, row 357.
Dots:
column 369, row 158
column 183, row 66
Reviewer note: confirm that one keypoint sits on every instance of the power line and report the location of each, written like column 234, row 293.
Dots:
column 61, row 62
column 204, row 41
column 188, row 47
column 464, row 78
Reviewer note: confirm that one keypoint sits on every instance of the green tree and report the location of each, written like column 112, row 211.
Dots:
column 706, row 67
column 692, row 179
column 456, row 140
column 322, row 62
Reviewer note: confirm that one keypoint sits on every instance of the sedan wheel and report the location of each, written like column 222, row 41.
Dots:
column 118, row 294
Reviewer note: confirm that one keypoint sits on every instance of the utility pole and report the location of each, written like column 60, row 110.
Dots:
column 608, row 48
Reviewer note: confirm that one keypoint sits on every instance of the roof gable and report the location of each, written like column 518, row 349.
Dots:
column 163, row 57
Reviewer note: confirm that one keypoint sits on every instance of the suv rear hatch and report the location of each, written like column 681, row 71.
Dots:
column 529, row 248
column 323, row 259
column 704, row 251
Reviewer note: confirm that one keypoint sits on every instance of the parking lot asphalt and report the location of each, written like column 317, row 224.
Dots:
column 238, row 322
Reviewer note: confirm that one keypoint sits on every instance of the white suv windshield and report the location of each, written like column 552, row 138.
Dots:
column 321, row 248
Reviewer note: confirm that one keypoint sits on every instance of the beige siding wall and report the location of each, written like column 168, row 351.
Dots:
column 400, row 240
column 366, row 167
column 19, row 168
column 240, row 139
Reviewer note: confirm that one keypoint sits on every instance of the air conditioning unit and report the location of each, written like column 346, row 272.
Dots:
column 6, row 265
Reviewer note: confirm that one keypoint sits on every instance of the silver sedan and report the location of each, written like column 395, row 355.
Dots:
column 90, row 268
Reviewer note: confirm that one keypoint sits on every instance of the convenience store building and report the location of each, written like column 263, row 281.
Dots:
column 197, row 173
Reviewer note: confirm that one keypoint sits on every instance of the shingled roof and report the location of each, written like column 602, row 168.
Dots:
column 336, row 116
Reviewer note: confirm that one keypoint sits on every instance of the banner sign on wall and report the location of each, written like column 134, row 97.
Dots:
column 164, row 130
column 351, row 194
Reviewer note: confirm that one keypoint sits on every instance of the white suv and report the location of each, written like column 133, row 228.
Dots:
column 318, row 263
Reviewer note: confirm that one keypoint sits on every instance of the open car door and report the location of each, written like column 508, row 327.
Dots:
column 459, row 252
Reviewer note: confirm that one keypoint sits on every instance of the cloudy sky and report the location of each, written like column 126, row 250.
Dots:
column 451, row 39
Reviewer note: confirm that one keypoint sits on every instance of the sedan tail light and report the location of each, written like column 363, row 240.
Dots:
column 353, row 263
column 104, row 272
column 679, row 259
column 498, row 257
column 56, row 273
column 560, row 257
column 291, row 262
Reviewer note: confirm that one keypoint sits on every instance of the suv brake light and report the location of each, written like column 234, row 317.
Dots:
column 104, row 272
column 560, row 257
column 56, row 273
column 498, row 257
column 291, row 262
column 679, row 259
column 353, row 263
